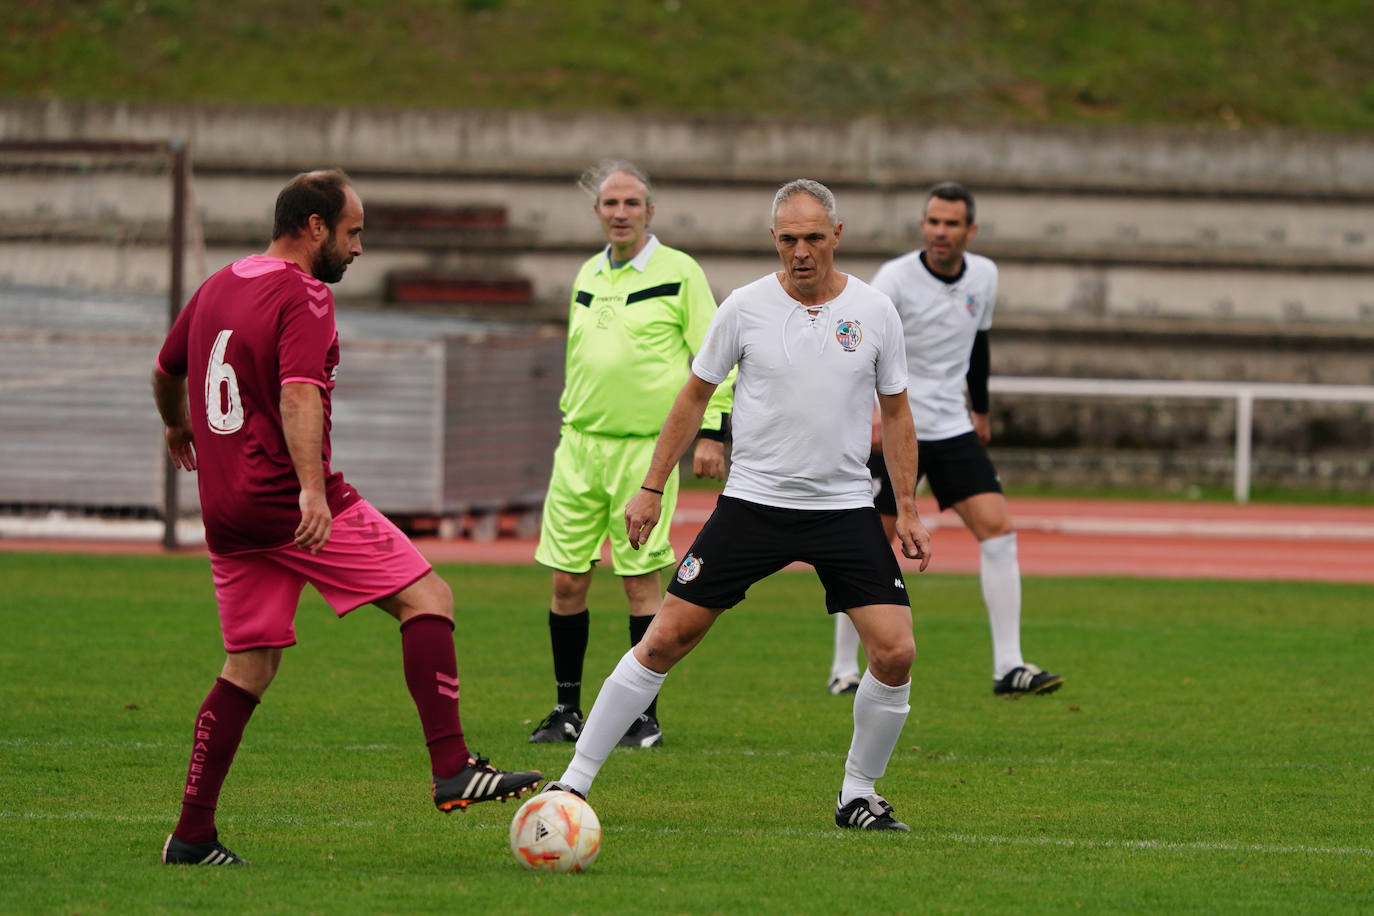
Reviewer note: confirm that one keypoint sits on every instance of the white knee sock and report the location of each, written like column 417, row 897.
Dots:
column 846, row 659
column 622, row 697
column 1000, row 574
column 879, row 713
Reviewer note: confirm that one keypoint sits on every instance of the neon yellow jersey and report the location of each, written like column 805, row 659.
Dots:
column 631, row 335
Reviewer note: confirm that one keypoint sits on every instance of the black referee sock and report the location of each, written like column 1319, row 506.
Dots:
column 637, row 627
column 568, row 637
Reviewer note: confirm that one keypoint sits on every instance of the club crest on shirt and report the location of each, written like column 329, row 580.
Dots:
column 689, row 570
column 971, row 304
column 848, row 333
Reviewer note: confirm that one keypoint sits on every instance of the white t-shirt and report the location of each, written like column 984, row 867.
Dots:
column 803, row 413
column 939, row 320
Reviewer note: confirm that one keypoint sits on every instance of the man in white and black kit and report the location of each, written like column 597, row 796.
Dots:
column 945, row 297
column 812, row 345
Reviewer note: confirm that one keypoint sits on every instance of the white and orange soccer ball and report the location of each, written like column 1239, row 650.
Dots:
column 555, row 831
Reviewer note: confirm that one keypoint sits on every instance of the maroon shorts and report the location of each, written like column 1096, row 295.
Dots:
column 366, row 559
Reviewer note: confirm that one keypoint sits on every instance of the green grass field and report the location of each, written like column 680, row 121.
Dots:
column 1219, row 63
column 1211, row 752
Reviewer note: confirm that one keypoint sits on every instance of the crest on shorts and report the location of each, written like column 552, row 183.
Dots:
column 848, row 333
column 689, row 570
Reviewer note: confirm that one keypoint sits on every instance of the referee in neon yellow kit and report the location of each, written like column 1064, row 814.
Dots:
column 639, row 311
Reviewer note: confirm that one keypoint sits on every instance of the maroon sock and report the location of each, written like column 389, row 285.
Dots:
column 431, row 665
column 219, row 729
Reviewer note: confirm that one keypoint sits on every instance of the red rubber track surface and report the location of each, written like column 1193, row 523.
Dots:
column 1056, row 537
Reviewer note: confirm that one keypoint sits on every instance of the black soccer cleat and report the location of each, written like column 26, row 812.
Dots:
column 563, row 724
column 479, row 781
column 868, row 812
column 179, row 852
column 643, row 732
column 561, row 787
column 1025, row 680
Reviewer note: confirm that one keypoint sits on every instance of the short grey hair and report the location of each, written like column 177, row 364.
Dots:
column 810, row 186
column 594, row 177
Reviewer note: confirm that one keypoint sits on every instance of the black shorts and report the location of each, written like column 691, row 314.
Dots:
column 957, row 468
column 743, row 542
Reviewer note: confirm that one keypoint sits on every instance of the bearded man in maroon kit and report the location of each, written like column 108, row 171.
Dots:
column 244, row 383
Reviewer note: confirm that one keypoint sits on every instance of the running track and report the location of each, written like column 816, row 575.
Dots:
column 1096, row 537
column 1056, row 538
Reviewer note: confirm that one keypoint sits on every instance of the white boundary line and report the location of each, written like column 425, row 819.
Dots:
column 1265, row 529
column 966, row 839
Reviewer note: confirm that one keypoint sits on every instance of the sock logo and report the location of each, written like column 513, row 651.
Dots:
column 200, row 752
column 448, row 686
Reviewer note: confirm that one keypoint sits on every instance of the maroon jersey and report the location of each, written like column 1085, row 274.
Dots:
column 254, row 325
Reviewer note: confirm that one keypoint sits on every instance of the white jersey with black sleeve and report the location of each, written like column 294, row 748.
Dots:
column 939, row 319
column 803, row 409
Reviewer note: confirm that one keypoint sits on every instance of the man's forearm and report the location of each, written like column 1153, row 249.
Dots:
column 679, row 430
column 169, row 394
column 899, row 448
column 302, row 421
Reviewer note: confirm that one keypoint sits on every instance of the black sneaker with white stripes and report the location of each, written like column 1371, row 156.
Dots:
column 479, row 781
column 179, row 852
column 1025, row 680
column 554, row 786
column 868, row 812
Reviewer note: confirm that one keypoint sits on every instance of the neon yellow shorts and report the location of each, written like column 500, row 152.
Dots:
column 593, row 478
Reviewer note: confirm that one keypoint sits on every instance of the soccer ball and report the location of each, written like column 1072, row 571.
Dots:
column 555, row 831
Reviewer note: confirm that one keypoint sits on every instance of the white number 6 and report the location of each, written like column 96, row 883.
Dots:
column 223, row 406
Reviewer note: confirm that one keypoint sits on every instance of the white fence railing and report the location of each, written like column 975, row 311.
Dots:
column 1243, row 393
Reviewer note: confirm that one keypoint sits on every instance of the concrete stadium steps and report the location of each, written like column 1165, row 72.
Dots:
column 443, row 239
column 1199, row 228
column 1030, row 287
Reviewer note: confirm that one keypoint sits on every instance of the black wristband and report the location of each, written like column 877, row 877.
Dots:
column 652, row 490
column 715, row 435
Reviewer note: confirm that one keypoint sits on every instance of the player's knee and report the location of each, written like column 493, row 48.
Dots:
column 666, row 642
column 430, row 597
column 441, row 598
column 571, row 588
column 891, row 662
column 996, row 529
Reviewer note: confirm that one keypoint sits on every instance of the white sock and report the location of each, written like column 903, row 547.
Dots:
column 879, row 713
column 623, row 696
column 846, row 659
column 1000, row 575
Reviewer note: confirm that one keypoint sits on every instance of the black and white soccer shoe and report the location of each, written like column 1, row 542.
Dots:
column 1026, row 680
column 479, row 781
column 563, row 724
column 867, row 812
column 555, row 786
column 643, row 732
column 179, row 852
column 844, row 685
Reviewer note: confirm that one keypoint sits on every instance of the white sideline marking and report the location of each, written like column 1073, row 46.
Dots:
column 1147, row 845
column 961, row 838
column 1199, row 528
column 1258, row 529
column 1063, row 842
column 933, row 756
